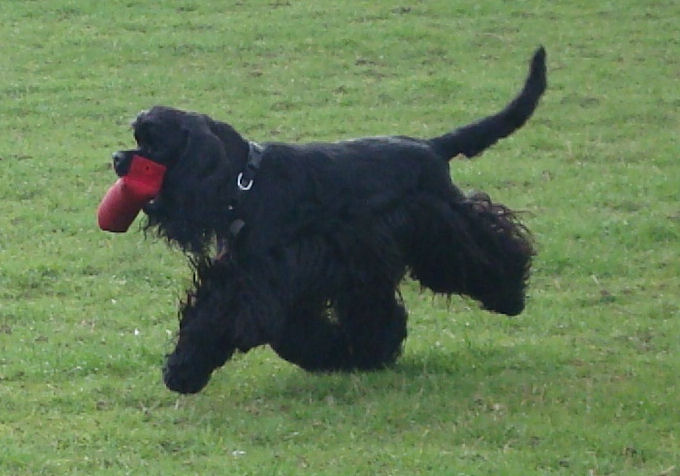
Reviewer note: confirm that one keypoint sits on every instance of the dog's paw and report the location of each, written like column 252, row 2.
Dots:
column 182, row 375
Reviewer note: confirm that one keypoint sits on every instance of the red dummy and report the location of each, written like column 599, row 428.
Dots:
column 124, row 200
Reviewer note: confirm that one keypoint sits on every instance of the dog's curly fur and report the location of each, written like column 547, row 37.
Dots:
column 330, row 230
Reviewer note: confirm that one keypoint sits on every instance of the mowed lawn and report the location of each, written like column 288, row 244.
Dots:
column 584, row 382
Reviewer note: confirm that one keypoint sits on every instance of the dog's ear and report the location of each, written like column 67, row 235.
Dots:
column 235, row 146
column 203, row 149
column 211, row 145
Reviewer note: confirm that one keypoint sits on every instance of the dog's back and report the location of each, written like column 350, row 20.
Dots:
column 391, row 166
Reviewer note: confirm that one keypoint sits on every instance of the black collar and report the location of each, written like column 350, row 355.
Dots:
column 245, row 179
column 244, row 182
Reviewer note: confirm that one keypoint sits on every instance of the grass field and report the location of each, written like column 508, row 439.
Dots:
column 584, row 382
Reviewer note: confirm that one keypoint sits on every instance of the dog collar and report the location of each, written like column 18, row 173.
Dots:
column 244, row 182
column 245, row 179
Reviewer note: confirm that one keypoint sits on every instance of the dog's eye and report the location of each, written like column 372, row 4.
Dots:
column 143, row 132
column 144, row 140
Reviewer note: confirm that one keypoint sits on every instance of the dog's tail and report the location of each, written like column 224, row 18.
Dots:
column 472, row 139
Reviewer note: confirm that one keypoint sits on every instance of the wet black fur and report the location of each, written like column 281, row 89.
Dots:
column 330, row 231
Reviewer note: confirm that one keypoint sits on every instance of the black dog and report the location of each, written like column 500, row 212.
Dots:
column 313, row 240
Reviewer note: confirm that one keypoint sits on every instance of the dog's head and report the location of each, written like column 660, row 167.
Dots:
column 201, row 157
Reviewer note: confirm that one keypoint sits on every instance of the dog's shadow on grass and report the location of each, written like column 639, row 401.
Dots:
column 422, row 385
column 458, row 373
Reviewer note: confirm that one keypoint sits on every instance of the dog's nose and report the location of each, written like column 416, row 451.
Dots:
column 117, row 158
column 120, row 162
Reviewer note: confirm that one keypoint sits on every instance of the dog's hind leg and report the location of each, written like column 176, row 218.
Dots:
column 310, row 334
column 473, row 247
column 312, row 338
column 344, row 314
column 356, row 333
column 375, row 323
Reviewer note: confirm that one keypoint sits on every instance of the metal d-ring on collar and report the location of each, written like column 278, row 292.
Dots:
column 244, row 182
column 241, row 186
column 245, row 179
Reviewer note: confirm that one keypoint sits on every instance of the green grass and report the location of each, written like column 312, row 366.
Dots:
column 585, row 381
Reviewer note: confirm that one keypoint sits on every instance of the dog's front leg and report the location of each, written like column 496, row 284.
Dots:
column 201, row 347
column 218, row 318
